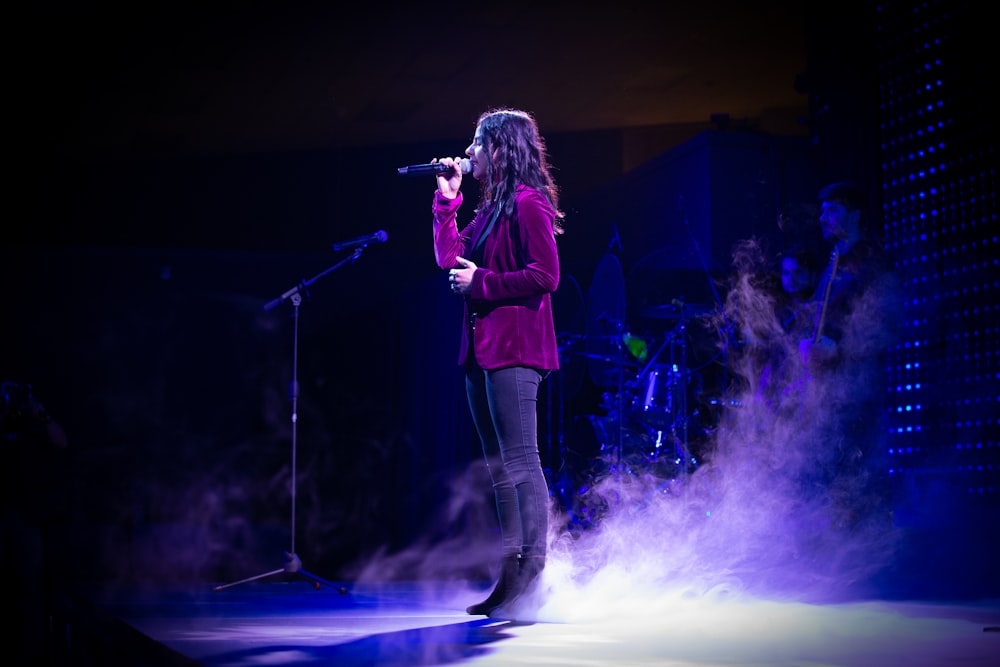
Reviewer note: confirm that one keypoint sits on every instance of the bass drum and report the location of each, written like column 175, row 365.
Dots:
column 659, row 402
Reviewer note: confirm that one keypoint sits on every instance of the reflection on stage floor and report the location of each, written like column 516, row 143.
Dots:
column 399, row 624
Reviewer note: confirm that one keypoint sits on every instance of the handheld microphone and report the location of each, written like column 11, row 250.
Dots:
column 378, row 237
column 435, row 168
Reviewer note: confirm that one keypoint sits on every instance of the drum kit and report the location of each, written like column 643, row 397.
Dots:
column 642, row 422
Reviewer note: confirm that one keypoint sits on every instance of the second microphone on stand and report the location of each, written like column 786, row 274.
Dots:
column 378, row 237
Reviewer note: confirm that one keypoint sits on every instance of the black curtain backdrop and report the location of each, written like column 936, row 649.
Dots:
column 135, row 294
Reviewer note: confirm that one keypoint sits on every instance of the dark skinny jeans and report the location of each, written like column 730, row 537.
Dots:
column 504, row 409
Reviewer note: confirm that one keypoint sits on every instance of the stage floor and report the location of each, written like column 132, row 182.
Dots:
column 421, row 624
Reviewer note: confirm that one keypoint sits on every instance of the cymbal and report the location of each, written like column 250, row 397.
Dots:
column 676, row 311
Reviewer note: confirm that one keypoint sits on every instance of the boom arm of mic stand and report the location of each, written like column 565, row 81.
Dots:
column 302, row 286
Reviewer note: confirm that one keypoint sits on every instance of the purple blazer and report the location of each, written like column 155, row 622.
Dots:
column 510, row 300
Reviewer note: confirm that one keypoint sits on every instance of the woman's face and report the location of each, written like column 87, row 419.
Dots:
column 795, row 277
column 477, row 155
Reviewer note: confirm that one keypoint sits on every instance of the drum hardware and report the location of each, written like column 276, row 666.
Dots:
column 601, row 357
column 676, row 310
column 679, row 454
column 606, row 448
column 663, row 402
column 653, row 380
column 643, row 428
column 657, row 401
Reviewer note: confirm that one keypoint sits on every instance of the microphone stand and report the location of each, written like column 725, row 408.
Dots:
column 293, row 565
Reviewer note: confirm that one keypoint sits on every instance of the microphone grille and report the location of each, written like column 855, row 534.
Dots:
column 465, row 165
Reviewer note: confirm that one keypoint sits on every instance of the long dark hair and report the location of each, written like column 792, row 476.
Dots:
column 519, row 157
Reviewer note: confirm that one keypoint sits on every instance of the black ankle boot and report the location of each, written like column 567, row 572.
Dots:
column 528, row 578
column 531, row 568
column 509, row 567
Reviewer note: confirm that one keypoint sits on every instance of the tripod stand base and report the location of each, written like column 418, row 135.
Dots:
column 292, row 566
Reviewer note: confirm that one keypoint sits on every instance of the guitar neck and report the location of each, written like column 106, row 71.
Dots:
column 828, row 288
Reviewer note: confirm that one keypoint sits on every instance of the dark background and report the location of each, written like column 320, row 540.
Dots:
column 178, row 167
